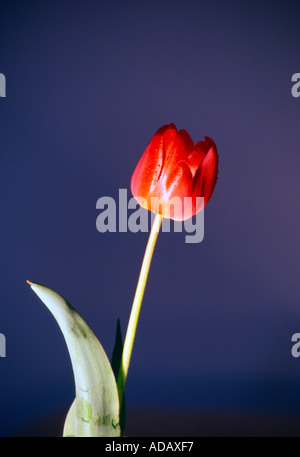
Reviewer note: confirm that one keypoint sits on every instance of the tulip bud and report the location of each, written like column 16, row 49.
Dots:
column 173, row 174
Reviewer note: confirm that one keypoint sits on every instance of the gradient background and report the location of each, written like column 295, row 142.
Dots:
column 88, row 84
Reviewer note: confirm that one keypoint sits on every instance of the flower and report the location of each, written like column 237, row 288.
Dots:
column 173, row 173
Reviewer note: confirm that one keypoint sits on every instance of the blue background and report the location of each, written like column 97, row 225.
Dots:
column 88, row 84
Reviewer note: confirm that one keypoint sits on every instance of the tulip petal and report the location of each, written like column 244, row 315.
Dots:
column 150, row 165
column 177, row 185
column 95, row 410
column 175, row 176
column 195, row 159
column 206, row 177
column 176, row 151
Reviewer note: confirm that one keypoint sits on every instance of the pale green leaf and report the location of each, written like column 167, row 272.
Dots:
column 95, row 410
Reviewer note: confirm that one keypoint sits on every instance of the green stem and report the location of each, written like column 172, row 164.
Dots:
column 136, row 306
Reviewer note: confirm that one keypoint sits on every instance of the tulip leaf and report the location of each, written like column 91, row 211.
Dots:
column 95, row 410
column 116, row 362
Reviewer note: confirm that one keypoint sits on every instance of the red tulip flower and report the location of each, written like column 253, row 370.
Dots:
column 174, row 170
column 171, row 168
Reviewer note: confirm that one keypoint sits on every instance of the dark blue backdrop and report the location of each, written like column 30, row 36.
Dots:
column 88, row 84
